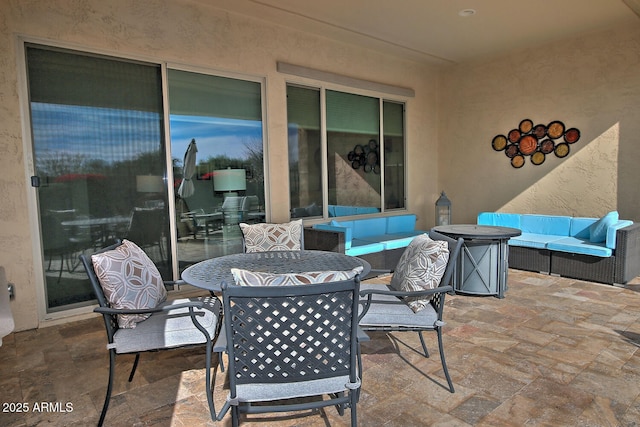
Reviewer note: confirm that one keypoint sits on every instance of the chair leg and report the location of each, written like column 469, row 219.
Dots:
column 209, row 389
column 424, row 346
column 354, row 415
column 107, row 398
column 134, row 367
column 444, row 362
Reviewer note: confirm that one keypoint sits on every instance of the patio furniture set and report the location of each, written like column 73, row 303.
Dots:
column 282, row 341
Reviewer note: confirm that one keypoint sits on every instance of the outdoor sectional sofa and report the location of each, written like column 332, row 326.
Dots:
column 380, row 241
column 605, row 250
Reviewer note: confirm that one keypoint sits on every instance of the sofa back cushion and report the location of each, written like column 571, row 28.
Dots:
column 401, row 223
column 546, row 224
column 499, row 218
column 369, row 227
column 580, row 227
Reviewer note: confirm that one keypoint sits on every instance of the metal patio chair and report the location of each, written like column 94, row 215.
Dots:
column 172, row 324
column 384, row 307
column 290, row 345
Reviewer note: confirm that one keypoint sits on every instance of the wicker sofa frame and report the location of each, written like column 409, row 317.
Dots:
column 620, row 268
column 326, row 240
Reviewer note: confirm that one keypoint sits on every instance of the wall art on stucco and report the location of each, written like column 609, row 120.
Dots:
column 536, row 142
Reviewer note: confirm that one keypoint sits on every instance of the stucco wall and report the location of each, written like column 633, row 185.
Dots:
column 200, row 36
column 591, row 82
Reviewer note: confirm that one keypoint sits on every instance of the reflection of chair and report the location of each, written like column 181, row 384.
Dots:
column 197, row 220
column 291, row 341
column 265, row 237
column 63, row 242
column 385, row 310
column 147, row 227
column 251, row 210
column 174, row 324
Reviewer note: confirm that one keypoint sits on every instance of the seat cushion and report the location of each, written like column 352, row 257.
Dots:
column 533, row 240
column 129, row 279
column 421, row 267
column 170, row 329
column 272, row 237
column 256, row 278
column 580, row 246
column 389, row 311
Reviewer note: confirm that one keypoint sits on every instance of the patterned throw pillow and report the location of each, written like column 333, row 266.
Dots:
column 272, row 237
column 129, row 279
column 255, row 278
column 421, row 267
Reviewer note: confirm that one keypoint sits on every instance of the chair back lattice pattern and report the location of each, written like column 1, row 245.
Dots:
column 291, row 333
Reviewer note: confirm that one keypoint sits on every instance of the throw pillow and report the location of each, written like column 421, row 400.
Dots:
column 421, row 267
column 256, row 278
column 598, row 230
column 272, row 237
column 130, row 280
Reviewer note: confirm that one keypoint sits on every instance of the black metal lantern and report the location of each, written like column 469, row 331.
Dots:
column 443, row 210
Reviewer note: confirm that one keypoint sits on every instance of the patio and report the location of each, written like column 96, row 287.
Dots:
column 555, row 351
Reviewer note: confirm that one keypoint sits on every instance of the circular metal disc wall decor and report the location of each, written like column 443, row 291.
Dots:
column 366, row 157
column 536, row 141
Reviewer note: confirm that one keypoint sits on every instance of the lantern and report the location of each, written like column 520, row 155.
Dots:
column 443, row 210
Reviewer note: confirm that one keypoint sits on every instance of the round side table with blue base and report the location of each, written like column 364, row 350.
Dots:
column 483, row 264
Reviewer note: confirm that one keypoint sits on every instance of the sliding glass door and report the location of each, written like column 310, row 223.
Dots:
column 217, row 151
column 99, row 151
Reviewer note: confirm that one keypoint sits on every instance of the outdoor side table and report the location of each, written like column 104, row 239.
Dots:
column 211, row 273
column 483, row 263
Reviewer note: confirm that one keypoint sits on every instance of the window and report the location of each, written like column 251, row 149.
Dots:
column 357, row 159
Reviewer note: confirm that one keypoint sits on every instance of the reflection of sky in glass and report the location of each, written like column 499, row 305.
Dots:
column 109, row 134
column 114, row 135
column 214, row 136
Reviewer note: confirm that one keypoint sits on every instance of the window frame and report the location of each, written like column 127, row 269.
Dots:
column 382, row 97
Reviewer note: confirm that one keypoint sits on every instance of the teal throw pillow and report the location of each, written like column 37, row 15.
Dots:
column 598, row 230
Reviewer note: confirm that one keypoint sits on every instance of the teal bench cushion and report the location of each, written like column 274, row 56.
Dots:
column 580, row 227
column 580, row 246
column 362, row 247
column 401, row 223
column 500, row 219
column 545, row 224
column 533, row 240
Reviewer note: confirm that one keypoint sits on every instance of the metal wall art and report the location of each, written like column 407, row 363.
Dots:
column 366, row 157
column 535, row 141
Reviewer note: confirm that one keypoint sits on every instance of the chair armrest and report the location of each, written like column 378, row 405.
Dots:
column 362, row 335
column 440, row 289
column 627, row 253
column 191, row 304
column 171, row 284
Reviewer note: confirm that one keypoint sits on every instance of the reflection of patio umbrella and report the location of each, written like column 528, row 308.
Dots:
column 188, row 169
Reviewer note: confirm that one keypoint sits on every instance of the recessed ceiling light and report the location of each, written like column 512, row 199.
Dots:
column 467, row 12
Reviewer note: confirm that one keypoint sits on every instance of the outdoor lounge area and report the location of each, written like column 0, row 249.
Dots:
column 556, row 351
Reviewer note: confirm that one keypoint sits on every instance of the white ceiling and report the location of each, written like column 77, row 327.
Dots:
column 432, row 30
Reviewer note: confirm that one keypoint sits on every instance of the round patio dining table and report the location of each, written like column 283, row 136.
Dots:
column 210, row 274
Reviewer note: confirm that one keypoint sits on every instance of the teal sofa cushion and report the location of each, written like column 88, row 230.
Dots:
column 500, row 219
column 545, row 224
column 533, row 240
column 368, row 227
column 401, row 223
column 362, row 247
column 579, row 246
column 598, row 230
column 580, row 227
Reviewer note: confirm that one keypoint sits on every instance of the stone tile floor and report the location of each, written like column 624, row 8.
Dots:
column 554, row 352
